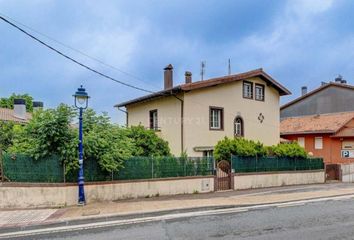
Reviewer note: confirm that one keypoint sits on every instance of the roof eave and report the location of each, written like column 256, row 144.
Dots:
column 164, row 93
column 307, row 132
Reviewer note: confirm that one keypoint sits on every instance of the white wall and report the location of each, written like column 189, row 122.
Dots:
column 277, row 179
column 54, row 195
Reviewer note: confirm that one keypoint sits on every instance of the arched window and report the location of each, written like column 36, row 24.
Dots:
column 238, row 127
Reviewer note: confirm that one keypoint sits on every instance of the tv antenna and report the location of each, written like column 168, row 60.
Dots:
column 229, row 67
column 202, row 69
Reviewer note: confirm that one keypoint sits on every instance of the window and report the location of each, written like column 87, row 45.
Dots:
column 318, row 143
column 208, row 153
column 216, row 118
column 247, row 89
column 301, row 141
column 238, row 128
column 153, row 120
column 259, row 91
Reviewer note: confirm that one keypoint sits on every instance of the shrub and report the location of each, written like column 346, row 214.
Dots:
column 238, row 146
column 288, row 150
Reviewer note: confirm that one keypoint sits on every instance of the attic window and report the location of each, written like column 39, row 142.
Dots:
column 259, row 89
column 247, row 89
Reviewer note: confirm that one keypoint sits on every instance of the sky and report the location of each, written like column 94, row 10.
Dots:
column 298, row 42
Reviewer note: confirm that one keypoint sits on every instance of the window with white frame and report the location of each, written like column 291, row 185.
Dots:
column 301, row 141
column 154, row 120
column 247, row 89
column 259, row 92
column 216, row 118
column 318, row 143
column 238, row 131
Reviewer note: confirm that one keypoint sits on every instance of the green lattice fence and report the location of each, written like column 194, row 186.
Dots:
column 266, row 164
column 21, row 168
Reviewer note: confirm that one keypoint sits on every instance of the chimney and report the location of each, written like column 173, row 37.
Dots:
column 303, row 90
column 168, row 76
column 20, row 108
column 188, row 76
column 37, row 105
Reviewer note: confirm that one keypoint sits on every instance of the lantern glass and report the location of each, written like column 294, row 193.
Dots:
column 81, row 98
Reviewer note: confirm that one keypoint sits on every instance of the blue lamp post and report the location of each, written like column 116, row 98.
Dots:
column 81, row 103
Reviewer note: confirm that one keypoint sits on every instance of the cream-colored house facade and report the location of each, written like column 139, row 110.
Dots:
column 194, row 116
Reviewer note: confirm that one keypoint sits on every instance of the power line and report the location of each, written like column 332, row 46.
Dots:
column 72, row 59
column 91, row 69
column 78, row 51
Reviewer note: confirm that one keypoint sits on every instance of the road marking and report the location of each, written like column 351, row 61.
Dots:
column 291, row 205
column 165, row 217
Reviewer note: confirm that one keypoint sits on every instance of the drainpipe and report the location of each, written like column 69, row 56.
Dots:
column 182, row 117
column 126, row 116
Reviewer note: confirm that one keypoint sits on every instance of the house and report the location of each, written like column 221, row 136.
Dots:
column 194, row 116
column 18, row 114
column 330, row 136
column 332, row 97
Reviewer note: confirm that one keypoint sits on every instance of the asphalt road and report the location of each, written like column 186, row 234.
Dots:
column 320, row 220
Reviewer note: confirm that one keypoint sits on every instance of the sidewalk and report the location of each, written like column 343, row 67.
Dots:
column 26, row 217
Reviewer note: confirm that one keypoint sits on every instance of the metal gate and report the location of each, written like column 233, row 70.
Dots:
column 223, row 175
column 332, row 172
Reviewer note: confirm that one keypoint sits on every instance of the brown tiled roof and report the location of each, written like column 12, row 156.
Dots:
column 8, row 115
column 324, row 123
column 211, row 82
column 327, row 85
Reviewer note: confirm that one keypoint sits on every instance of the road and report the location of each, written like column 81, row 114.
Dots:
column 331, row 219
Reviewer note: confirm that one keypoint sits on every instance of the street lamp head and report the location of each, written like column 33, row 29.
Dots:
column 81, row 98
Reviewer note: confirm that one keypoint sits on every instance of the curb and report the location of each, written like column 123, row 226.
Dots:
column 113, row 217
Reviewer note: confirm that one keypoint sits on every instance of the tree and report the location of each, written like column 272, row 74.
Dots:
column 147, row 143
column 51, row 132
column 6, row 134
column 9, row 102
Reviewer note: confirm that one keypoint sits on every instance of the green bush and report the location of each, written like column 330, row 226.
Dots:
column 238, row 146
column 247, row 148
column 288, row 150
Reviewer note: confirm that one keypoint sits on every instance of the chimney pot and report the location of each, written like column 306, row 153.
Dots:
column 168, row 76
column 338, row 79
column 37, row 105
column 188, row 76
column 20, row 108
column 303, row 90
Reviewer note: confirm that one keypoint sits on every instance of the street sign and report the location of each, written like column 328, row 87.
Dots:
column 348, row 153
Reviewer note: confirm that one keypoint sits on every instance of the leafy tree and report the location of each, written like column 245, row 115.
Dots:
column 48, row 133
column 6, row 134
column 51, row 132
column 147, row 143
column 9, row 102
column 107, row 143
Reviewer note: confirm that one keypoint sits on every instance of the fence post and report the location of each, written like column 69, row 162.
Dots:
column 1, row 167
column 152, row 167
column 185, row 166
column 256, row 162
column 64, row 172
